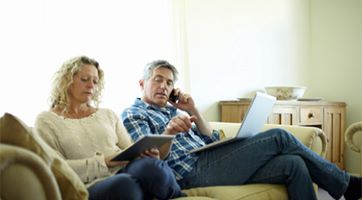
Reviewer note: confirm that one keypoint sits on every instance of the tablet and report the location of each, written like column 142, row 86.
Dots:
column 144, row 143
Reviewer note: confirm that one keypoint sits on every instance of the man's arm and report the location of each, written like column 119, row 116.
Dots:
column 137, row 127
column 203, row 125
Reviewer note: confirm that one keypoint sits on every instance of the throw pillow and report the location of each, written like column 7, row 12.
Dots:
column 222, row 134
column 14, row 131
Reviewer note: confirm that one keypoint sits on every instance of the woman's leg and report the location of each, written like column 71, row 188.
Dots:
column 235, row 163
column 289, row 170
column 155, row 177
column 119, row 186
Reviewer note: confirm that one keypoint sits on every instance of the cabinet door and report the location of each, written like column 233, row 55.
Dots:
column 334, row 129
column 284, row 115
column 232, row 112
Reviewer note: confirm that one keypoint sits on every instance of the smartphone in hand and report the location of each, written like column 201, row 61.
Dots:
column 173, row 97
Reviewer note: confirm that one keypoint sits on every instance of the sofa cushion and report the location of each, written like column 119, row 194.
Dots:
column 37, row 180
column 222, row 134
column 14, row 131
column 245, row 192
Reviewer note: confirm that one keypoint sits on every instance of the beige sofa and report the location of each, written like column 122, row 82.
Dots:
column 30, row 170
column 353, row 138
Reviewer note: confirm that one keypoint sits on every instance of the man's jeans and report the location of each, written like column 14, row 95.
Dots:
column 274, row 156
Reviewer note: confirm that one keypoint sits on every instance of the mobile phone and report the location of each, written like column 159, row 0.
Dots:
column 173, row 97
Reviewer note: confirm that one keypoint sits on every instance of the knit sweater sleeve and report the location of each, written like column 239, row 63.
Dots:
column 124, row 139
column 45, row 129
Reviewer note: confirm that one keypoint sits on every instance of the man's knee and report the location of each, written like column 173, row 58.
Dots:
column 282, row 134
column 278, row 132
column 119, row 186
column 150, row 169
column 159, row 170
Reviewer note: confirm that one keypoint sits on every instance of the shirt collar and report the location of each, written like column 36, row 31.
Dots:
column 168, row 108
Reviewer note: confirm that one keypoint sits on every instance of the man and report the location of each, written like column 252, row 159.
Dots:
column 273, row 157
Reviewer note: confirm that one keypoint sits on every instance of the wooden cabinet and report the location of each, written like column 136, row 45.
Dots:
column 329, row 116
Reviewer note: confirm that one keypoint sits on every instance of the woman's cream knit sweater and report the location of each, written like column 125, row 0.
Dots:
column 84, row 143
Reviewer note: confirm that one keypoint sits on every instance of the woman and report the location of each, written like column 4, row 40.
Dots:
column 87, row 137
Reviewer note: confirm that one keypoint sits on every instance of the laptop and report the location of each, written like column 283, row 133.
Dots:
column 254, row 119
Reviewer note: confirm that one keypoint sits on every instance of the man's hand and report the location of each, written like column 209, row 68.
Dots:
column 183, row 123
column 185, row 102
column 180, row 123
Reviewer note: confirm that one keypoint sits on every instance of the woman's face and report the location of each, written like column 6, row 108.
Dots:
column 84, row 84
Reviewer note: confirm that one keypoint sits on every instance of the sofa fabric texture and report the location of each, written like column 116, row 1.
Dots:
column 52, row 177
column 353, row 138
column 14, row 132
column 35, row 175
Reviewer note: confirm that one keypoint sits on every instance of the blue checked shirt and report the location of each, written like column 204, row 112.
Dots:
column 143, row 119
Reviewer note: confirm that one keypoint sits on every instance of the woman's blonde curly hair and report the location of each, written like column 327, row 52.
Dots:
column 63, row 78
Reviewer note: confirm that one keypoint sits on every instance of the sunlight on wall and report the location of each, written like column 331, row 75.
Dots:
column 37, row 37
column 243, row 46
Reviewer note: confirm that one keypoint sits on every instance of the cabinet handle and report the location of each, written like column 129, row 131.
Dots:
column 310, row 115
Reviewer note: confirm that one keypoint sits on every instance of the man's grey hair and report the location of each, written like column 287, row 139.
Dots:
column 148, row 71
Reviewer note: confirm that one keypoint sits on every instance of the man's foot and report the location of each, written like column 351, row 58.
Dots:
column 354, row 188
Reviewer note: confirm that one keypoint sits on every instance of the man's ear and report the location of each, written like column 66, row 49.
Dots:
column 141, row 82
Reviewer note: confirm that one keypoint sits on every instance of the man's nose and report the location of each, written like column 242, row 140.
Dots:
column 163, row 84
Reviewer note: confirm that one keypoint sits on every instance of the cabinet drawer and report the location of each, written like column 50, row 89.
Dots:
column 311, row 115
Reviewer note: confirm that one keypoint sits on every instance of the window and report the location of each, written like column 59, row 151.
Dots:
column 40, row 35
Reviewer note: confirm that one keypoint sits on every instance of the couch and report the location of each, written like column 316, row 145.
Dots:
column 353, row 138
column 30, row 169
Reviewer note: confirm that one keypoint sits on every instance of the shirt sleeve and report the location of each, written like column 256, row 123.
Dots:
column 136, row 124
column 215, row 135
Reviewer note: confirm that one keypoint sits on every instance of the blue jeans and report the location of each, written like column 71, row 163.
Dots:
column 274, row 156
column 144, row 178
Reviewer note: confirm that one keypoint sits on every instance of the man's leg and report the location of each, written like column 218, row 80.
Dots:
column 119, row 186
column 235, row 163
column 289, row 170
column 155, row 177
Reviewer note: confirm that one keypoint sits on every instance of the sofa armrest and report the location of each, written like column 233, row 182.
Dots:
column 351, row 136
column 24, row 175
column 312, row 137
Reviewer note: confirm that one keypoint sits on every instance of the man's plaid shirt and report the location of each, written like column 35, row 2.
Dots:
column 143, row 119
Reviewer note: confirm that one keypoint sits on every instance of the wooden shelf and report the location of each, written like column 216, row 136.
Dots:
column 326, row 115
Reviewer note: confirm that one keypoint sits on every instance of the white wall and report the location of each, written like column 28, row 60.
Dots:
column 37, row 36
column 239, row 46
column 336, row 59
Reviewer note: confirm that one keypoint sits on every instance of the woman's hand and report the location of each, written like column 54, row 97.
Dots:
column 153, row 153
column 110, row 163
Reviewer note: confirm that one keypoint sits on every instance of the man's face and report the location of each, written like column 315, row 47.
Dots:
column 157, row 89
